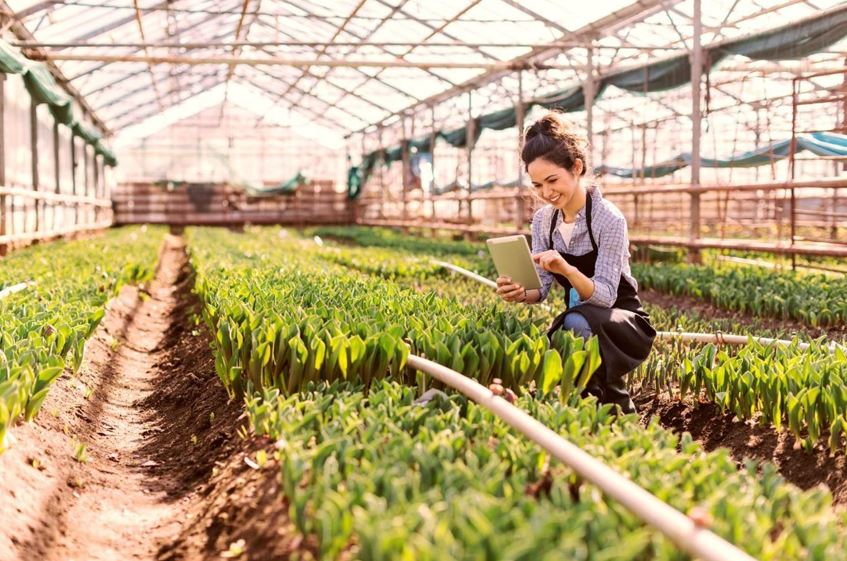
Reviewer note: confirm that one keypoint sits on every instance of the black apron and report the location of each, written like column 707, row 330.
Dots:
column 623, row 331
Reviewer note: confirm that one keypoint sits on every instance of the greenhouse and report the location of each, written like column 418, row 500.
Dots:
column 392, row 279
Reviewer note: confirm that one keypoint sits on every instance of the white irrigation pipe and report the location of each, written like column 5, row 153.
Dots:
column 8, row 291
column 728, row 339
column 717, row 338
column 470, row 274
column 688, row 536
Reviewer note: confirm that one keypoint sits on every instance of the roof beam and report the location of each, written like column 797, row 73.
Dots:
column 235, row 52
column 122, row 121
column 605, row 25
column 212, row 44
column 125, row 96
column 358, row 71
column 21, row 32
column 318, row 116
column 434, row 31
column 297, row 62
column 149, row 66
column 339, row 30
column 137, row 46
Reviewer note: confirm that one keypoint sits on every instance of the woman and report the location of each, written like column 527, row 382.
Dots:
column 580, row 240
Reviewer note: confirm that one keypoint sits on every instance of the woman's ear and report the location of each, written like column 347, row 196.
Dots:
column 578, row 168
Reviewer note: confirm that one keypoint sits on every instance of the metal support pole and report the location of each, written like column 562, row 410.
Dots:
column 469, row 136
column 381, row 177
column 433, row 137
column 588, row 92
column 405, row 171
column 696, row 75
column 33, row 126
column 58, row 175
column 356, row 205
column 73, row 177
column 87, row 170
column 520, row 116
column 795, row 94
column 96, row 187
column 3, row 247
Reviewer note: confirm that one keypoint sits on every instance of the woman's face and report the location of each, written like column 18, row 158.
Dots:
column 553, row 183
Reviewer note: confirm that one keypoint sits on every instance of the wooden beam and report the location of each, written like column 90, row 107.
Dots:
column 296, row 62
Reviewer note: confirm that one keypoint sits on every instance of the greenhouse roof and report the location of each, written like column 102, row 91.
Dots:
column 350, row 65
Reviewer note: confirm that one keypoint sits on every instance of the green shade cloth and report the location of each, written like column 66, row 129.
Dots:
column 393, row 155
column 11, row 60
column 499, row 120
column 791, row 41
column 285, row 188
column 569, row 99
column 423, row 144
column 787, row 42
column 819, row 143
column 459, row 137
column 109, row 158
column 354, row 182
column 90, row 136
column 653, row 77
column 42, row 87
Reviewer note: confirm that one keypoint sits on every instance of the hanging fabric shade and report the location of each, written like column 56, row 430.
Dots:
column 11, row 60
column 792, row 41
column 90, row 136
column 354, row 182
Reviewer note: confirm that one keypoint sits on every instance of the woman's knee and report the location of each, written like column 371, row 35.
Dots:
column 577, row 323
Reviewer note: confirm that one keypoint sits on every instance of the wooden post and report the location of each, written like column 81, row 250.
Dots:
column 33, row 124
column 696, row 72
column 3, row 247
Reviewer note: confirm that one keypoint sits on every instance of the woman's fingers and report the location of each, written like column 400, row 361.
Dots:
column 503, row 281
column 510, row 291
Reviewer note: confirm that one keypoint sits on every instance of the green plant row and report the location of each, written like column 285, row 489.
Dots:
column 779, row 386
column 43, row 329
column 805, row 390
column 287, row 325
column 378, row 477
column 386, row 237
column 815, row 299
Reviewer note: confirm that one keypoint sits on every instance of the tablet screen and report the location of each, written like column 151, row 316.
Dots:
column 512, row 259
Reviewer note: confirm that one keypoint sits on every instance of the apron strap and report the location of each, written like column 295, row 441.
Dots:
column 588, row 208
column 553, row 227
column 588, row 219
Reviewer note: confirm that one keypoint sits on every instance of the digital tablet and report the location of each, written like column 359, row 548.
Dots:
column 512, row 259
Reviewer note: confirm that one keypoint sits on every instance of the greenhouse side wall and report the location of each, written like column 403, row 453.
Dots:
column 221, row 204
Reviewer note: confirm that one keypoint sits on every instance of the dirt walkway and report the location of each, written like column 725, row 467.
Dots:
column 94, row 500
column 138, row 455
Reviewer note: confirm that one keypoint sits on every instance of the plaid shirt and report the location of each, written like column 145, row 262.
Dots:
column 610, row 232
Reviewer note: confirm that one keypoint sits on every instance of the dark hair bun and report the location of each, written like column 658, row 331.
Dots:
column 553, row 138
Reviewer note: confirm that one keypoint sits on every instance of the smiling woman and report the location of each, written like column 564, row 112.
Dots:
column 579, row 239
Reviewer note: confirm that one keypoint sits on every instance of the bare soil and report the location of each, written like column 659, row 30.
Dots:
column 748, row 440
column 163, row 474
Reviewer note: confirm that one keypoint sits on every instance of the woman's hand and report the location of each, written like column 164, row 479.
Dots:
column 551, row 260
column 510, row 291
